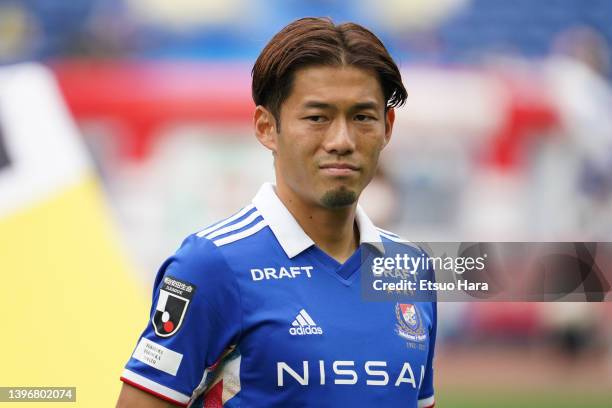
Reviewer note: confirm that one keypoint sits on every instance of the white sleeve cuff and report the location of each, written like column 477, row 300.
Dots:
column 154, row 388
column 426, row 402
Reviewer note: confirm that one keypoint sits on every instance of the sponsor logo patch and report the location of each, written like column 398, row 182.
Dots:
column 172, row 303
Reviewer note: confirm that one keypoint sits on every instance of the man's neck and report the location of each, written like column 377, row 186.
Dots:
column 333, row 230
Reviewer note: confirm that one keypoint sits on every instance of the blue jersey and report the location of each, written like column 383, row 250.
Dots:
column 250, row 313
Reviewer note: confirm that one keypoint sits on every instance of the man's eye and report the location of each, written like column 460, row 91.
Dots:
column 316, row 118
column 363, row 118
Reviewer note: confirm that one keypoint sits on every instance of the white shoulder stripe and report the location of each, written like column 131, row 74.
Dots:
column 226, row 221
column 240, row 235
column 235, row 226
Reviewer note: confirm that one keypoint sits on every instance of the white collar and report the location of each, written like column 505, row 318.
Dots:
column 290, row 234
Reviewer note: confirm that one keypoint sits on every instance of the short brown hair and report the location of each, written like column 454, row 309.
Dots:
column 318, row 41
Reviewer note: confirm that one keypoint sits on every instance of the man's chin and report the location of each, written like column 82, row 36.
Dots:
column 338, row 198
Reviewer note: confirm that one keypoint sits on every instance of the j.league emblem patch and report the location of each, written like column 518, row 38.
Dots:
column 172, row 303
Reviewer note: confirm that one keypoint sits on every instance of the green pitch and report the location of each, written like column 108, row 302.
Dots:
column 519, row 399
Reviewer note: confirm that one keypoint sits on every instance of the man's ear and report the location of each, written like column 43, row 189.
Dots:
column 265, row 128
column 389, row 120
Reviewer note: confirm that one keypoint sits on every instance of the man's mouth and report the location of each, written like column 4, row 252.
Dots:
column 339, row 169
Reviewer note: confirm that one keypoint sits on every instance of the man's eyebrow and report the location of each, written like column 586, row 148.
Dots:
column 365, row 105
column 355, row 107
column 317, row 105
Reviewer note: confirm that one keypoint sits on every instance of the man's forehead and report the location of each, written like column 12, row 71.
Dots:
column 344, row 85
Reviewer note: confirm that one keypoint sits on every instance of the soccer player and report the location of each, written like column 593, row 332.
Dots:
column 264, row 308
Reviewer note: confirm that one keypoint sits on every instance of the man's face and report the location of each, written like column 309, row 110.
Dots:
column 333, row 127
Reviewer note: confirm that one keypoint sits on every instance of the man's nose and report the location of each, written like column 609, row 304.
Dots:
column 339, row 138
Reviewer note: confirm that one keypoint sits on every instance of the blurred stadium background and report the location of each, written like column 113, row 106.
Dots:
column 125, row 126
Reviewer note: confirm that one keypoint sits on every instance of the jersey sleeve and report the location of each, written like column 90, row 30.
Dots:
column 195, row 316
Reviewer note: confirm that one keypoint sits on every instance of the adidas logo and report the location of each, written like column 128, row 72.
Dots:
column 303, row 325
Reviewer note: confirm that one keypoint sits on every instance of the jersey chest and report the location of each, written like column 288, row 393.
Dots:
column 304, row 327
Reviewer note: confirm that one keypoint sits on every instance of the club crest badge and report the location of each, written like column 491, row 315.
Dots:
column 172, row 303
column 410, row 324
